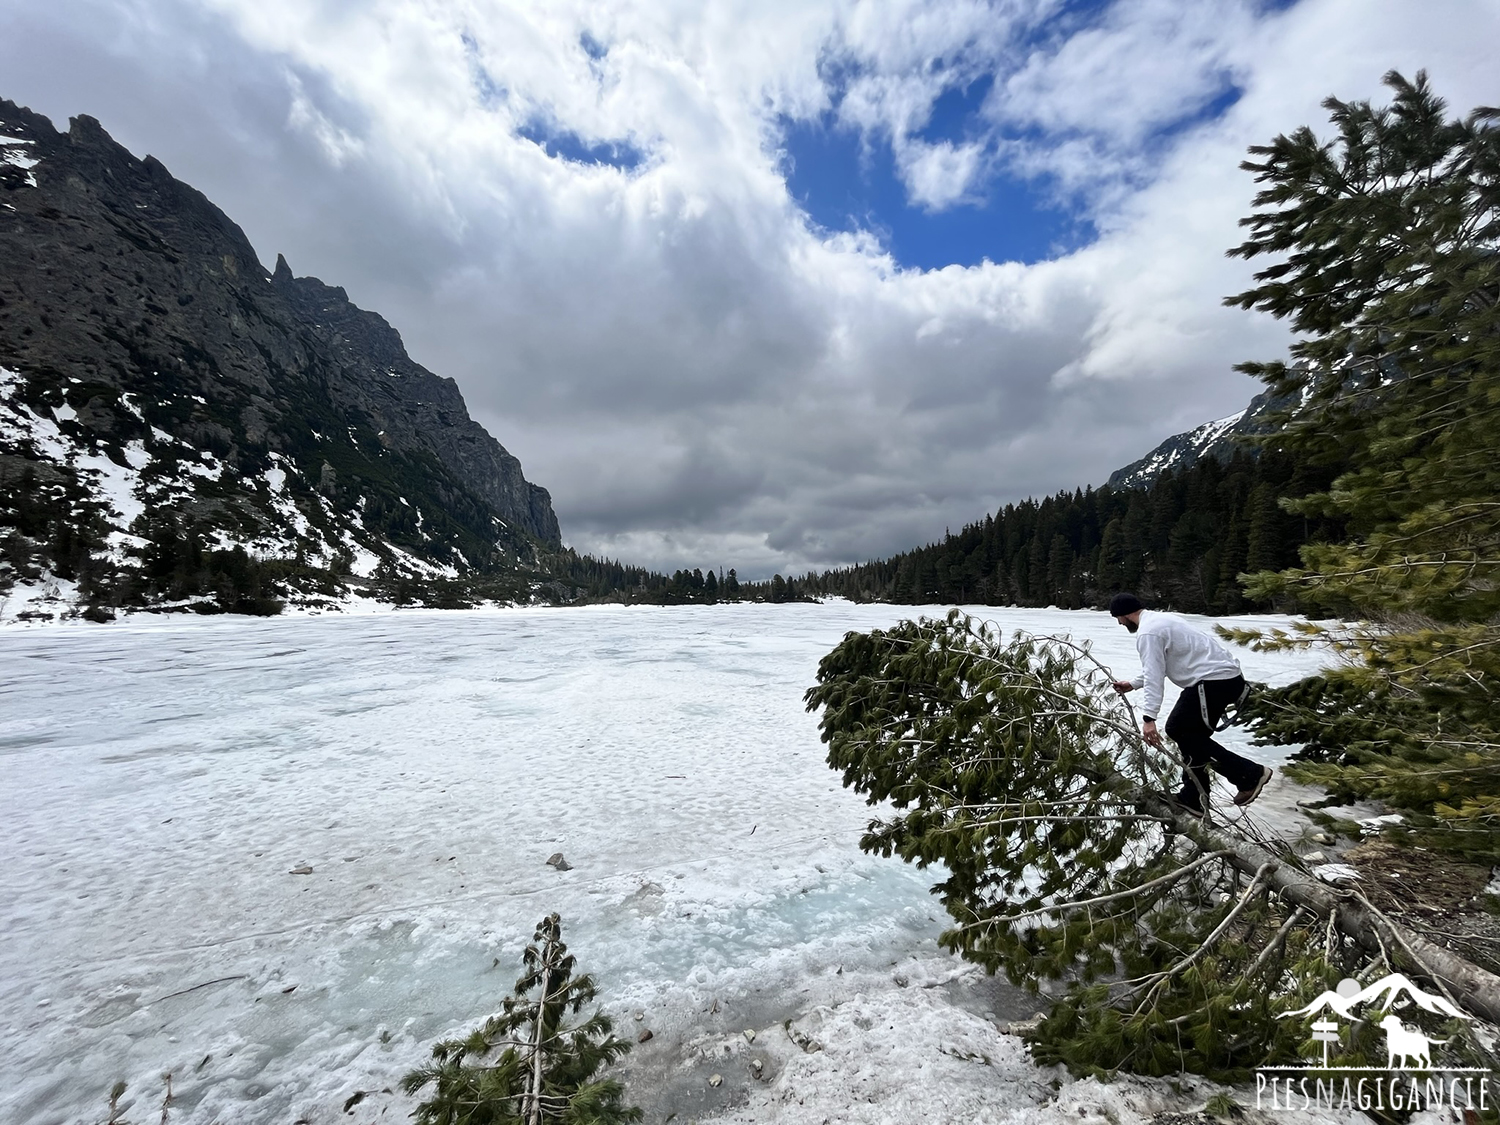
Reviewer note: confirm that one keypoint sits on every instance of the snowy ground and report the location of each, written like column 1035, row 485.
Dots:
column 163, row 777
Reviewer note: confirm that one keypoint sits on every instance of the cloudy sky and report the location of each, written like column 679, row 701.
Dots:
column 772, row 284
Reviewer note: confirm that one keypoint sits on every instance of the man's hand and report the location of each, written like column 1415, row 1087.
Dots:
column 1150, row 734
column 1124, row 686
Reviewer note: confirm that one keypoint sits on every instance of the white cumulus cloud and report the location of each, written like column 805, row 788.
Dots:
column 700, row 375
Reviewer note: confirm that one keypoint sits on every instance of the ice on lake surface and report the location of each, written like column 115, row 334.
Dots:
column 164, row 777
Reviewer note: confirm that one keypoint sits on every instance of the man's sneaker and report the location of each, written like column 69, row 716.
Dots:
column 1245, row 796
column 1193, row 806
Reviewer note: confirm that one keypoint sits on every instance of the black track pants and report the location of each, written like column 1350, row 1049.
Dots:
column 1191, row 726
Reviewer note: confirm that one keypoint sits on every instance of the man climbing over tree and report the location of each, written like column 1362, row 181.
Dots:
column 1211, row 680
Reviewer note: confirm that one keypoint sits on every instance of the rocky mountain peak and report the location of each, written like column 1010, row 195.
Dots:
column 155, row 373
column 1219, row 438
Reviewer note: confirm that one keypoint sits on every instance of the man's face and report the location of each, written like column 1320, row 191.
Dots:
column 1132, row 622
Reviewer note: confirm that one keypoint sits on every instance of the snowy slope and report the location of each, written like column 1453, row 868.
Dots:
column 1177, row 452
column 160, row 474
column 165, row 776
column 1221, row 438
column 276, row 514
column 165, row 401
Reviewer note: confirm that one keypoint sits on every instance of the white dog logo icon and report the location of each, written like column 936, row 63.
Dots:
column 1401, row 1042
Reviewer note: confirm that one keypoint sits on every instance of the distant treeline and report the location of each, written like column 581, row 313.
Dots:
column 1181, row 542
column 607, row 580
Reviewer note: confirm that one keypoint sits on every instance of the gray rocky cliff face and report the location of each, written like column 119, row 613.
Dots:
column 414, row 408
column 132, row 303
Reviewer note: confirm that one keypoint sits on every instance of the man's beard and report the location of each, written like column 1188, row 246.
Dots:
column 1132, row 625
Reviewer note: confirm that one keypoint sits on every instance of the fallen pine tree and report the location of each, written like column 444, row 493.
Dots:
column 1174, row 945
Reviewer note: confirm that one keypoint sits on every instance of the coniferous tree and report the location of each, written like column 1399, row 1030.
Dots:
column 1137, row 543
column 1036, row 563
column 546, row 1071
column 1388, row 242
column 1011, row 764
column 1059, row 569
column 1110, row 568
column 1232, row 563
column 1016, row 768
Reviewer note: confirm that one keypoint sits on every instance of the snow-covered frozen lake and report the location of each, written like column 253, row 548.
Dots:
column 164, row 777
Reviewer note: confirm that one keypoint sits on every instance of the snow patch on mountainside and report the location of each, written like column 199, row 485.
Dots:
column 275, row 514
column 1212, row 439
column 1186, row 446
column 13, row 151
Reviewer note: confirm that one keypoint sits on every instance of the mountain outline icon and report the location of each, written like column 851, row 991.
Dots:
column 1388, row 988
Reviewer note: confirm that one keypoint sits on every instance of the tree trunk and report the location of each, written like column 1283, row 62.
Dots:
column 534, row 1109
column 1472, row 987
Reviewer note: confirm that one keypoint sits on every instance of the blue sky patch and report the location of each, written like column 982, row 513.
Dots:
column 592, row 47
column 953, row 113
column 565, row 144
column 846, row 180
column 845, row 186
column 489, row 91
column 1214, row 108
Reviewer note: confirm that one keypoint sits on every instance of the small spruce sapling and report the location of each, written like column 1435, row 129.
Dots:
column 527, row 1065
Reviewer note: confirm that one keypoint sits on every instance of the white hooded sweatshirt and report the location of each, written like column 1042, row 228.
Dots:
column 1170, row 647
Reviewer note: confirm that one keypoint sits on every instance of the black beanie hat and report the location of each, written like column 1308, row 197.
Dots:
column 1123, row 605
